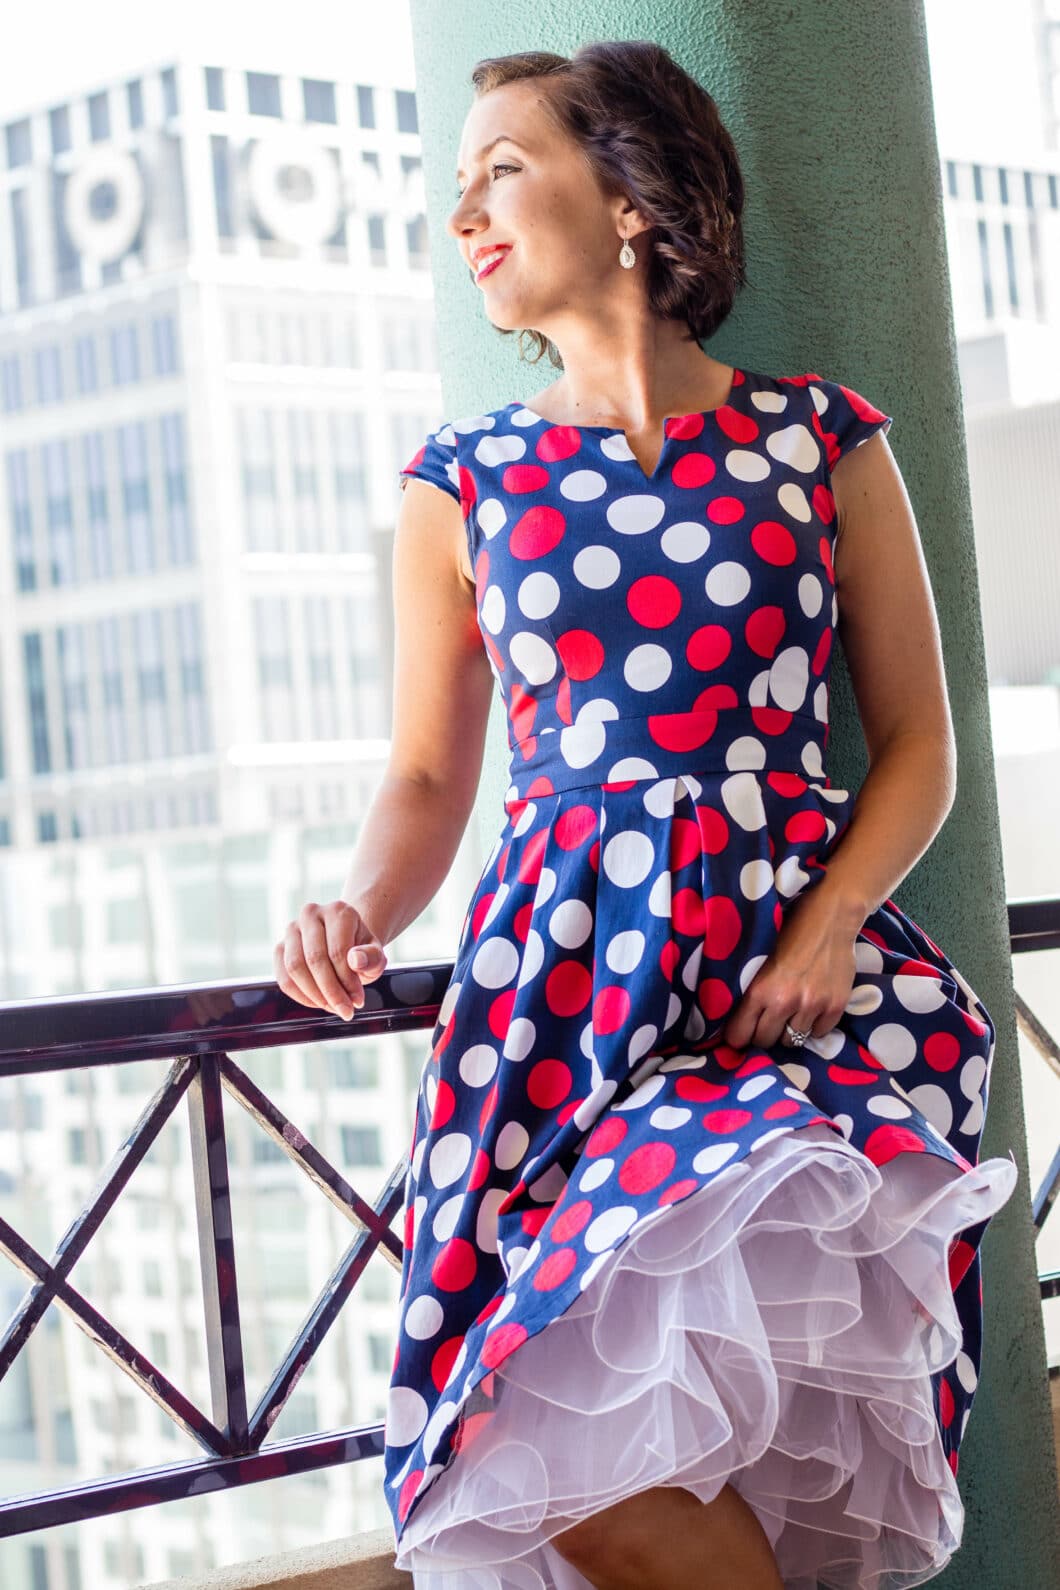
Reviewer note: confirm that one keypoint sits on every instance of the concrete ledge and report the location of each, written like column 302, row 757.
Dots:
column 366, row 1562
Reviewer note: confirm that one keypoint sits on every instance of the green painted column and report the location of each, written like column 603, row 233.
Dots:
column 831, row 111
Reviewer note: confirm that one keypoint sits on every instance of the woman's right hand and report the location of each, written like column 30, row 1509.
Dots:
column 317, row 962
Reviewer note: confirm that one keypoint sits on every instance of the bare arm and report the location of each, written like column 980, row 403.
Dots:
column 443, row 684
column 889, row 632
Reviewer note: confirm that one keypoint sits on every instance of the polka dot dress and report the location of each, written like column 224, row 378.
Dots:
column 635, row 1255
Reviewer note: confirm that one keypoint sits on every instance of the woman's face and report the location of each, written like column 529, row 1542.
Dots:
column 533, row 194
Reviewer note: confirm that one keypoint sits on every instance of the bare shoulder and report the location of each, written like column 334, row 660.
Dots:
column 433, row 519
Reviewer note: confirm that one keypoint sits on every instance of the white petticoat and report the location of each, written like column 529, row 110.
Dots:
column 796, row 1309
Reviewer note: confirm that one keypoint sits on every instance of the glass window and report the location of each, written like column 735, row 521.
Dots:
column 11, row 383
column 178, row 529
column 98, row 117
column 377, row 239
column 86, row 364
column 169, row 92
column 222, row 186
column 48, row 833
column 263, row 94
column 124, row 354
column 361, row 1145
column 59, row 126
column 20, row 237
column 134, row 93
column 100, row 550
column 366, row 104
column 22, row 519
column 215, row 88
column 405, row 105
column 58, row 511
column 257, row 450
column 164, row 344
column 19, row 144
column 319, row 100
column 48, row 368
column 136, row 498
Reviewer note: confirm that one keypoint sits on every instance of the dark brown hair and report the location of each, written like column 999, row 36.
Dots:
column 649, row 131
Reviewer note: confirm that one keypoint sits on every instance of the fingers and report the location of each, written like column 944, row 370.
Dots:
column 317, row 965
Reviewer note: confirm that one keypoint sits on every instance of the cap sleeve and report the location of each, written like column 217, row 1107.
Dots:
column 436, row 462
column 845, row 418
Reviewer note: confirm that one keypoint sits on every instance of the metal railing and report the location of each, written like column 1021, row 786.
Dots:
column 196, row 1028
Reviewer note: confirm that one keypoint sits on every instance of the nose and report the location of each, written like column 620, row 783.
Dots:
column 460, row 223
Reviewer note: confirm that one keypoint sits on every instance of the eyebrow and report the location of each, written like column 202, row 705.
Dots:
column 500, row 138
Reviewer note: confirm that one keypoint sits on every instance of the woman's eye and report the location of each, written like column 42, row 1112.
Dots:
column 500, row 165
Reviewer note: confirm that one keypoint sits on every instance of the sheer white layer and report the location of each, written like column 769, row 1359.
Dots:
column 776, row 1329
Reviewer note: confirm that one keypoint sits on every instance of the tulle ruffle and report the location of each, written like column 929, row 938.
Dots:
column 776, row 1329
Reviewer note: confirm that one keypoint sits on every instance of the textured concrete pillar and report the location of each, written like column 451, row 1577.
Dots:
column 830, row 108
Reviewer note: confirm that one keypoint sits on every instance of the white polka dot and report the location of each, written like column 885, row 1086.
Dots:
column 892, row 1045
column 486, row 1223
column 966, row 1371
column 446, row 1216
column 628, row 858
column 713, row 1157
column 756, row 879
column 685, row 542
column 437, row 1425
column 659, row 896
column 756, row 1085
column 864, row 999
column 571, row 923
column 478, row 1064
column 745, row 465
column 630, row 767
column 520, row 1039
column 659, row 799
column 423, row 1317
column 538, row 595
column 625, row 951
column 449, row 1158
column 495, row 963
column 533, row 957
column 492, row 609
column 647, row 667
column 798, row 1075
column 790, row 878
column 533, row 657
column 641, row 1042
column 934, row 1105
column 745, row 752
column 406, row 1415
column 606, row 1229
column 811, row 595
column 919, row 994
column 494, row 451
column 770, row 402
column 728, row 583
column 633, row 515
column 512, row 1144
column 845, row 1124
column 595, row 1174
column 642, row 1094
column 597, row 567
column 583, row 485
column 492, row 516
column 668, row 1117
column 792, row 499
column 742, row 797
column 582, row 742
column 888, row 1107
column 788, row 678
column 795, row 446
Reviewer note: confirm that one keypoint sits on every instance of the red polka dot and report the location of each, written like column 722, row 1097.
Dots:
column 823, row 503
column 685, row 426
column 847, row 1077
column 708, row 647
column 518, row 478
column 500, row 1013
column 714, row 828
column 687, row 913
column 455, row 1266
column 685, row 842
column 773, row 542
column 407, row 1493
column 548, row 1083
column 653, row 601
column 682, row 731
column 569, row 1222
column 804, row 826
column 537, row 532
column 568, row 988
column 554, row 1270
column 724, row 926
column 558, row 442
column 726, row 1121
column 941, row 1051
column 607, row 1135
column 489, row 1104
column 574, row 826
column 764, row 630
column 886, row 1142
column 736, row 426
column 532, row 1220
column 532, row 857
column 646, row 1167
column 444, row 1105
column 679, row 1189
column 699, row 1091
column 479, row 1170
column 947, row 1407
column 771, row 720
column 504, row 1340
column 470, row 1428
column 725, row 510
column 611, row 1009
column 783, row 1107
column 787, row 783
column 714, row 997
column 443, row 1361
column 692, row 470
column 961, row 1255
column 581, row 653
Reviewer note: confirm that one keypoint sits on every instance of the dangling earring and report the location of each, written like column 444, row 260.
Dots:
column 626, row 256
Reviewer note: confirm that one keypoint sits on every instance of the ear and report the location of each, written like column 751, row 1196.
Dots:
column 628, row 219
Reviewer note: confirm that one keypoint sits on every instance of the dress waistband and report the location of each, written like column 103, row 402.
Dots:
column 598, row 749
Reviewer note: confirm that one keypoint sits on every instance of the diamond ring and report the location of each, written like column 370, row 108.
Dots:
column 794, row 1037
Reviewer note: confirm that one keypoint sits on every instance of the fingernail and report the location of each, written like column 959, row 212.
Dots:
column 345, row 1012
column 360, row 957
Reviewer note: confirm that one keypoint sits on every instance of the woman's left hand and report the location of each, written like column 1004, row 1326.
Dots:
column 806, row 980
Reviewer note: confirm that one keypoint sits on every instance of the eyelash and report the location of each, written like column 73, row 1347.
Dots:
column 499, row 165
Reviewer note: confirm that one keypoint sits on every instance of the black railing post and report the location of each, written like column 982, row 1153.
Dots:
column 217, row 1257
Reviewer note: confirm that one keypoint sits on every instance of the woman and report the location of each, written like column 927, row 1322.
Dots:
column 691, row 1282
